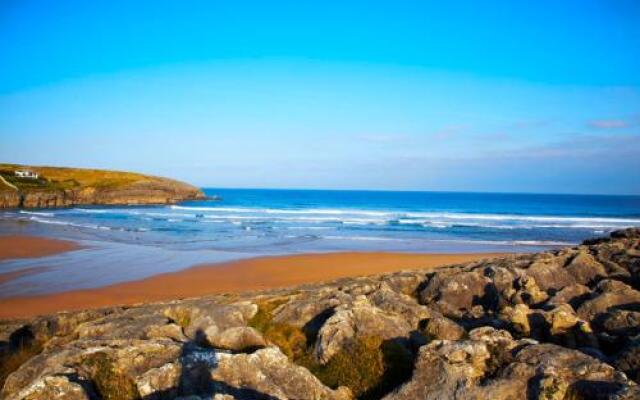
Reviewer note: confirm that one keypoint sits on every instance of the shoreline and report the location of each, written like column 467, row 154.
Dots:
column 27, row 246
column 232, row 277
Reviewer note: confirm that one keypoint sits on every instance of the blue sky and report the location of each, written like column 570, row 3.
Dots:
column 507, row 96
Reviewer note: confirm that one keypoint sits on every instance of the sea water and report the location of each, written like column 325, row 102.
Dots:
column 134, row 242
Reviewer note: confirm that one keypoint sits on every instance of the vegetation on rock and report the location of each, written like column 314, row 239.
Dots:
column 59, row 187
column 110, row 383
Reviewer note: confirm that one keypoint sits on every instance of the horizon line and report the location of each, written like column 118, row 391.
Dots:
column 418, row 191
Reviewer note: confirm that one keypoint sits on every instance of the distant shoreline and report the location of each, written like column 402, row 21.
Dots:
column 230, row 277
column 36, row 187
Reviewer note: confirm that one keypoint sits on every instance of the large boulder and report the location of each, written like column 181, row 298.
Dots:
column 360, row 319
column 240, row 338
column 310, row 308
column 54, row 387
column 456, row 291
column 573, row 295
column 526, row 291
column 585, row 269
column 469, row 370
column 133, row 323
column 547, row 371
column 441, row 327
column 628, row 360
column 202, row 319
column 387, row 299
column 445, row 370
column 548, row 272
column 268, row 374
column 620, row 322
column 109, row 366
column 611, row 294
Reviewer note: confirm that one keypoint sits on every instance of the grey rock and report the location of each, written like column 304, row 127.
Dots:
column 574, row 295
column 357, row 320
column 445, row 370
column 585, row 269
column 268, row 372
column 610, row 294
column 628, row 360
column 238, row 339
column 620, row 322
column 440, row 327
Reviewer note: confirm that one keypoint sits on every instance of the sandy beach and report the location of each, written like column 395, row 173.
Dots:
column 237, row 276
column 19, row 246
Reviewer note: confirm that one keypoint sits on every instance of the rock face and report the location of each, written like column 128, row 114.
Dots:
column 63, row 187
column 556, row 325
column 271, row 374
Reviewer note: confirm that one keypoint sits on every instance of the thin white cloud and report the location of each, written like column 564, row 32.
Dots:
column 382, row 138
column 607, row 147
column 529, row 124
column 449, row 132
column 609, row 124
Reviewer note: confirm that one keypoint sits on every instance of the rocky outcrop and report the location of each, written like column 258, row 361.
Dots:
column 359, row 319
column 270, row 374
column 479, row 369
column 64, row 187
column 556, row 325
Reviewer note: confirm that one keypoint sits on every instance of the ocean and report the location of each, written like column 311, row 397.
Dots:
column 141, row 241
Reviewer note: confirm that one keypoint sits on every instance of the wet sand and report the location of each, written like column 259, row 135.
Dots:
column 18, row 246
column 236, row 276
column 9, row 276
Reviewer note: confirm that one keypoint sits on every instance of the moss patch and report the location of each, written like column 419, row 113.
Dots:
column 291, row 340
column 369, row 366
column 110, row 383
column 180, row 316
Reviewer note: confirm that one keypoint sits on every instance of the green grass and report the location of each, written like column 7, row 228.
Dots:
column 68, row 178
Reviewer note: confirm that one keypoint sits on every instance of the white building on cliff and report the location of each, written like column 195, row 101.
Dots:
column 26, row 174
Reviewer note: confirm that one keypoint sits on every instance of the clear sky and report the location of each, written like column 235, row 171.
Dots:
column 509, row 96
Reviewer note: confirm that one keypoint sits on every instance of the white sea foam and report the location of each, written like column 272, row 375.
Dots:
column 313, row 228
column 39, row 213
column 93, row 210
column 363, row 217
column 363, row 238
column 507, row 242
column 65, row 223
column 328, row 211
column 427, row 219
column 84, row 226
column 513, row 217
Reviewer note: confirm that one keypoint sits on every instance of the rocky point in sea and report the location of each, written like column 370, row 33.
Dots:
column 562, row 324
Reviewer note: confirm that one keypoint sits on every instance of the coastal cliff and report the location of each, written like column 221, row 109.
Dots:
column 562, row 324
column 63, row 187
